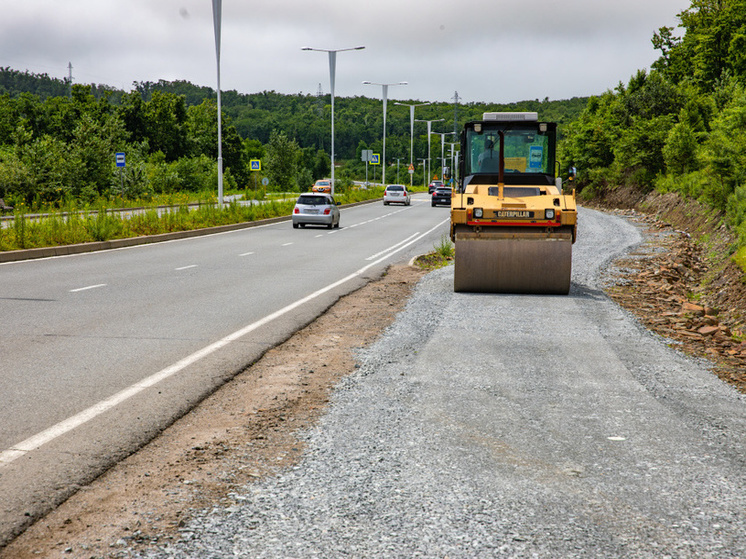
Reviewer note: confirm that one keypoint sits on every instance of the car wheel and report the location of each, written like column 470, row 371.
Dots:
column 330, row 226
column 385, row 203
column 433, row 204
column 303, row 225
column 295, row 226
column 336, row 225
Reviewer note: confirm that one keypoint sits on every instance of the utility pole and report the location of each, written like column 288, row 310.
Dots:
column 70, row 79
column 320, row 100
column 455, row 112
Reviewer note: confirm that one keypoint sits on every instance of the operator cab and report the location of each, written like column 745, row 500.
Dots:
column 508, row 148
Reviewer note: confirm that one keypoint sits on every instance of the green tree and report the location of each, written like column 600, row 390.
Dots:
column 589, row 141
column 253, row 149
column 202, row 126
column 725, row 152
column 166, row 117
column 281, row 161
column 48, row 170
column 713, row 43
column 680, row 149
column 92, row 151
column 161, row 122
column 321, row 165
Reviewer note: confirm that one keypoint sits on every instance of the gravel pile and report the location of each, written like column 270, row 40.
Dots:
column 508, row 426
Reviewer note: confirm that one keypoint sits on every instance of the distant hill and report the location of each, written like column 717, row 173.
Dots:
column 14, row 82
column 304, row 117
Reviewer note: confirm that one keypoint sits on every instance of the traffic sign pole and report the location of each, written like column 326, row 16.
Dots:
column 121, row 162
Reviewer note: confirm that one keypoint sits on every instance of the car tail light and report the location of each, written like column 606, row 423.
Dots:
column 327, row 211
column 296, row 211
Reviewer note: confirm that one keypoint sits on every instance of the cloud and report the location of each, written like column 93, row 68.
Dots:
column 501, row 50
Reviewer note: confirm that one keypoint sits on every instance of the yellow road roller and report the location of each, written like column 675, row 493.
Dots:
column 512, row 225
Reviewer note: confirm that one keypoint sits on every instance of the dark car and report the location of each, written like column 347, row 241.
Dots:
column 441, row 195
column 433, row 185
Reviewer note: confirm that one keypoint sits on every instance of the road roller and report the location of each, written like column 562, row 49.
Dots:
column 512, row 225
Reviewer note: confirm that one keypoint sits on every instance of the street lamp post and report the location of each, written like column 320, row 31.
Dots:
column 429, row 134
column 424, row 176
column 332, row 70
column 411, row 131
column 454, row 166
column 217, row 16
column 385, row 92
column 443, row 146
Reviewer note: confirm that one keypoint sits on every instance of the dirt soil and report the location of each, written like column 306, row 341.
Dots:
column 246, row 430
column 680, row 283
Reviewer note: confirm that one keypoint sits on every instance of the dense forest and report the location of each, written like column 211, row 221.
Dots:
column 682, row 125
column 58, row 140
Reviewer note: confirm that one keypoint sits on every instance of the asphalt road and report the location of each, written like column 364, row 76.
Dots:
column 100, row 351
column 513, row 426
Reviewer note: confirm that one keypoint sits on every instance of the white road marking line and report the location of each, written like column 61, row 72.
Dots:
column 185, row 267
column 88, row 287
column 374, row 219
column 391, row 247
column 286, row 244
column 34, row 442
column 246, row 254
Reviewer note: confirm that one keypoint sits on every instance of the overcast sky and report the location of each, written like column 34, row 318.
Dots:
column 487, row 50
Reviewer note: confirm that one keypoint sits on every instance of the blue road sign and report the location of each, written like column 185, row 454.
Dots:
column 120, row 159
column 255, row 164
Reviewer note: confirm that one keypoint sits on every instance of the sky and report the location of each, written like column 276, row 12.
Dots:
column 496, row 51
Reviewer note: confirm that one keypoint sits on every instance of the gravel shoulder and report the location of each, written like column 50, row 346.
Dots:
column 284, row 473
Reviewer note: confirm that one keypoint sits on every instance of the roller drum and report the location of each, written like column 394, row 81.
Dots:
column 498, row 263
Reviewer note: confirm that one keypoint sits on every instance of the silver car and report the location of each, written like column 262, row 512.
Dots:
column 396, row 193
column 315, row 208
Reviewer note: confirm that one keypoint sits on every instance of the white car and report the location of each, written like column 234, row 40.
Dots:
column 315, row 208
column 396, row 194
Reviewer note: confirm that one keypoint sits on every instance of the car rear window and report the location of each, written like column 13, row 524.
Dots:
column 395, row 187
column 313, row 200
